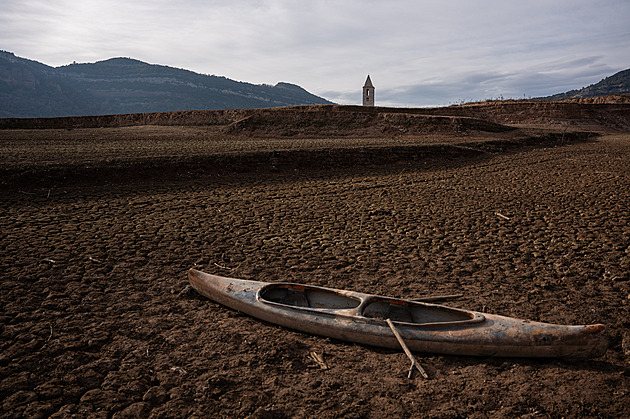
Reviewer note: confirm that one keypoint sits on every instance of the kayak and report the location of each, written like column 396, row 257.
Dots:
column 362, row 318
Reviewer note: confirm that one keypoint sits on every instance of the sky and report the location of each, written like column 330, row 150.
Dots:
column 417, row 52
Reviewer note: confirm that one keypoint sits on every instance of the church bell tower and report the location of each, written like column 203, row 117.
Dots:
column 368, row 92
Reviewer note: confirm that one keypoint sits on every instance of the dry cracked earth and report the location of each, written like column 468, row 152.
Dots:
column 97, row 319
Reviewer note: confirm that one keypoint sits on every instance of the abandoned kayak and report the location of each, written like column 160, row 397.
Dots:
column 362, row 318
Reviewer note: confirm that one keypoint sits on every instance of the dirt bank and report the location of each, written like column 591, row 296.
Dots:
column 599, row 114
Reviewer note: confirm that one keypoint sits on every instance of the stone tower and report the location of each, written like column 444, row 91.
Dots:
column 368, row 93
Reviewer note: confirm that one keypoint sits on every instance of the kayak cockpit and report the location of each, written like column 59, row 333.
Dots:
column 307, row 296
column 344, row 303
column 405, row 311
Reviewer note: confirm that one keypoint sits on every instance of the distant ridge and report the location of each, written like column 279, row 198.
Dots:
column 617, row 84
column 29, row 89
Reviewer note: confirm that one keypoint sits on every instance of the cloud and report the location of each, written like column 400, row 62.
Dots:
column 418, row 53
column 541, row 80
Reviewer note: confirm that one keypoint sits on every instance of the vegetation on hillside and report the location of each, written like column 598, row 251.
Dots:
column 617, row 84
column 124, row 85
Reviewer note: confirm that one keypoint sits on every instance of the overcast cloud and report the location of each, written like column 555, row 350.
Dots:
column 418, row 53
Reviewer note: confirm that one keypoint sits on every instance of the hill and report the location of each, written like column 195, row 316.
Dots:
column 124, row 85
column 617, row 84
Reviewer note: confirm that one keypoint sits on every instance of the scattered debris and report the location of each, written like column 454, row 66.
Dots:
column 179, row 370
column 625, row 344
column 35, row 194
column 51, row 334
column 187, row 292
column 319, row 360
column 28, row 193
column 498, row 214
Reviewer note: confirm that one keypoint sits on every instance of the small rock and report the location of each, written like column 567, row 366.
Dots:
column 265, row 413
column 135, row 410
column 64, row 412
column 155, row 395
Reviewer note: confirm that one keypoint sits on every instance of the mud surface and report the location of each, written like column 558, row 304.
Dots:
column 97, row 319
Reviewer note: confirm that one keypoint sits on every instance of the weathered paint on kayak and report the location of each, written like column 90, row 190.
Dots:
column 361, row 318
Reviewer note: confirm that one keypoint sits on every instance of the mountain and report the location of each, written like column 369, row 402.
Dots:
column 616, row 84
column 124, row 85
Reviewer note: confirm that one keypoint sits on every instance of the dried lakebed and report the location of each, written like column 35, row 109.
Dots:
column 97, row 319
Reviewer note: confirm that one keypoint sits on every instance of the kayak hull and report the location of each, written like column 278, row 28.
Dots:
column 431, row 328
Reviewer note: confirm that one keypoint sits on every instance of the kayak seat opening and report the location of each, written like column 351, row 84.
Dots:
column 409, row 312
column 303, row 296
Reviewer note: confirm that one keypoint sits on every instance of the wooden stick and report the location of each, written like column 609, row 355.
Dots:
column 93, row 259
column 319, row 360
column 498, row 214
column 438, row 298
column 407, row 351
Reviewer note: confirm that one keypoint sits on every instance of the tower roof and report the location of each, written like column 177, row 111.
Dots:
column 368, row 82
